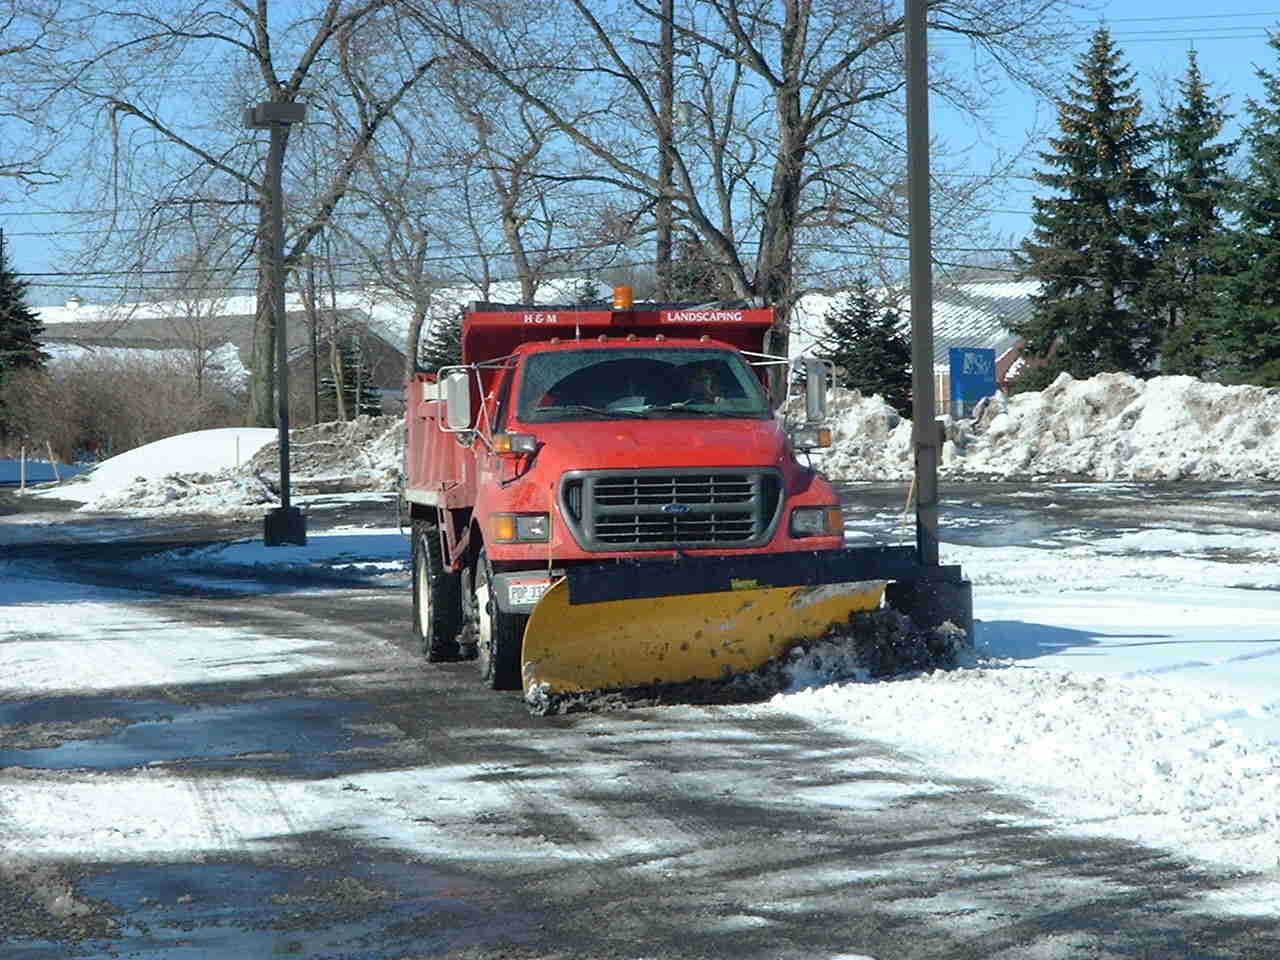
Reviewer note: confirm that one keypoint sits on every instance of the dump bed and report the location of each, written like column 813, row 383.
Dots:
column 438, row 469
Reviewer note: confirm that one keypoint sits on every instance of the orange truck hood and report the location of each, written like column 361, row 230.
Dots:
column 640, row 444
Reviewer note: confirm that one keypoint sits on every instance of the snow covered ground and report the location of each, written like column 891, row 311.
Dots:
column 1126, row 684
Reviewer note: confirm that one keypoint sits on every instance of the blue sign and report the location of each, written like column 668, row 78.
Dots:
column 973, row 377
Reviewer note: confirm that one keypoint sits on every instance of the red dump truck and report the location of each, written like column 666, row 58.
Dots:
column 606, row 498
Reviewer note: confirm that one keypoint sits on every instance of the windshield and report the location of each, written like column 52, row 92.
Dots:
column 629, row 382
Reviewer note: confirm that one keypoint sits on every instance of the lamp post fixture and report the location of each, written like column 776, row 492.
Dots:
column 286, row 523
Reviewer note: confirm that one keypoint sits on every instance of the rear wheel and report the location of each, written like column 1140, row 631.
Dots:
column 500, row 634
column 437, row 597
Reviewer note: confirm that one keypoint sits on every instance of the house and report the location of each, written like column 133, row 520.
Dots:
column 213, row 339
column 975, row 314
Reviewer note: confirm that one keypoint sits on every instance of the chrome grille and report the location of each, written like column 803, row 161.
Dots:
column 649, row 510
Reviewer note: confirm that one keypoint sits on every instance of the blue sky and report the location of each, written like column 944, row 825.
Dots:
column 1154, row 37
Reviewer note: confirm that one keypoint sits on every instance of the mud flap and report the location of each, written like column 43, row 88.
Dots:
column 633, row 642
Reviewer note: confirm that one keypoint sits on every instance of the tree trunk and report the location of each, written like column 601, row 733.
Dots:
column 412, row 348
column 339, row 379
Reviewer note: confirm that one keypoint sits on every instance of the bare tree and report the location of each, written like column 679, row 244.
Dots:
column 160, row 89
column 457, row 190
column 792, row 109
column 199, row 308
column 25, row 31
column 397, row 186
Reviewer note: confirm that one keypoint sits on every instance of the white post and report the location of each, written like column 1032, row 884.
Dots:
column 22, row 470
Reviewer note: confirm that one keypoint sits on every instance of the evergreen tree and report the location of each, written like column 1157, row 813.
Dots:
column 442, row 346
column 587, row 291
column 1247, row 332
column 20, row 328
column 1091, row 246
column 1191, row 236
column 871, row 353
column 358, row 395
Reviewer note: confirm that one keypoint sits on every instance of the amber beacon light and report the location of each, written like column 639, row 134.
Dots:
column 623, row 298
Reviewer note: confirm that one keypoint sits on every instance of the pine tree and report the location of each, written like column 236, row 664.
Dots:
column 20, row 328
column 358, row 396
column 865, row 341
column 585, row 291
column 442, row 346
column 1191, row 236
column 1247, row 333
column 1091, row 246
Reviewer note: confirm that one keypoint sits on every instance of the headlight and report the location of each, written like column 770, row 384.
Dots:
column 811, row 438
column 817, row 522
column 521, row 527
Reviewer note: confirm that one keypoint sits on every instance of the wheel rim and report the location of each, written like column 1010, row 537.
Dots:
column 484, row 648
column 424, row 591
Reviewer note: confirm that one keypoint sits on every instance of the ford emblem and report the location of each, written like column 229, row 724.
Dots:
column 675, row 508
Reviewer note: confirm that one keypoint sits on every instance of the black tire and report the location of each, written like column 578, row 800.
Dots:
column 437, row 597
column 500, row 636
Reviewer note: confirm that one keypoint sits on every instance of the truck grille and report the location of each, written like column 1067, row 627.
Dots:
column 653, row 510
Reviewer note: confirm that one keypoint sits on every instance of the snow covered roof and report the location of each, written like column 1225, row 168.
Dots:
column 976, row 314
column 387, row 314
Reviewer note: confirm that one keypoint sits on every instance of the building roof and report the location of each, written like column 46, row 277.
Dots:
column 979, row 314
column 975, row 314
column 175, row 333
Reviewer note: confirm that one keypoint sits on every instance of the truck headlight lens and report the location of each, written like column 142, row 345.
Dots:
column 811, row 438
column 521, row 527
column 817, row 522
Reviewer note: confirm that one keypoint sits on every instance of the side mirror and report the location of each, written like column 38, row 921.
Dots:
column 815, row 389
column 457, row 400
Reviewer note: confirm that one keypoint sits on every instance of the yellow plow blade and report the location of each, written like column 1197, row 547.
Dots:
column 619, row 644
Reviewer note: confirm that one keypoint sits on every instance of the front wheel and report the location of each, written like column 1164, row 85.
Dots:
column 437, row 597
column 501, row 635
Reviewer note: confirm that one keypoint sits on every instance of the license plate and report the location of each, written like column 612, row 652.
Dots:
column 519, row 594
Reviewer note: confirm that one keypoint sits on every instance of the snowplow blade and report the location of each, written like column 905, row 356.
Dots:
column 640, row 641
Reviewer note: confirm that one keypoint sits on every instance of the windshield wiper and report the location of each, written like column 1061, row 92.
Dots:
column 700, row 411
column 570, row 408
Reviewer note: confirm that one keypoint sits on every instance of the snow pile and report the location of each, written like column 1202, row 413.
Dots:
column 1117, row 427
column 869, row 439
column 1110, row 427
column 163, row 473
column 227, row 492
column 345, row 455
column 236, row 471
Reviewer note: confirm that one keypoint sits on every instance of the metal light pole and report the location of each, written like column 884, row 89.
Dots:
column 937, row 594
column 285, row 524
column 666, row 96
column 920, row 246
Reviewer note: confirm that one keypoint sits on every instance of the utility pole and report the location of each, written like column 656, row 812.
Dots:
column 286, row 524
column 924, row 418
column 666, row 117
